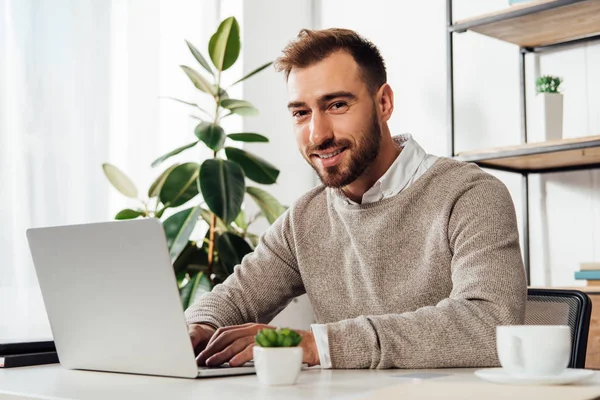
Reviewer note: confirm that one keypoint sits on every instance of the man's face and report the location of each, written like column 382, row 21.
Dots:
column 335, row 119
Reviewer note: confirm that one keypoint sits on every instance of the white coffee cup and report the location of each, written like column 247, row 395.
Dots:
column 533, row 350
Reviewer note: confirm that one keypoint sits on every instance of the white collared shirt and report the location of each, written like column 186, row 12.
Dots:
column 404, row 171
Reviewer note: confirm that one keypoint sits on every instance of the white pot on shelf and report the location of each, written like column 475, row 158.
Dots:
column 549, row 115
column 277, row 365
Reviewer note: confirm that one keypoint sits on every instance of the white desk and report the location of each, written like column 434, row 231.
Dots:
column 54, row 382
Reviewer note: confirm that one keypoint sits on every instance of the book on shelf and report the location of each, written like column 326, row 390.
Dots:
column 589, row 275
column 589, row 266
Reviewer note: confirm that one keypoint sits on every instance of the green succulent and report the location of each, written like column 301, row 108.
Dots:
column 548, row 84
column 277, row 338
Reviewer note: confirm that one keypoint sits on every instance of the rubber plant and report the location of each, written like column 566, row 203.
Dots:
column 216, row 187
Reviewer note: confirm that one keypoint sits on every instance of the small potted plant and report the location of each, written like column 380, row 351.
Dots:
column 277, row 357
column 549, row 107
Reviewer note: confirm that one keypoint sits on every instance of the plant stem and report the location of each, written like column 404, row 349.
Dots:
column 213, row 218
column 211, row 245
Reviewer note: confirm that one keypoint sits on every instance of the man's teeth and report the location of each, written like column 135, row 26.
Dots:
column 335, row 153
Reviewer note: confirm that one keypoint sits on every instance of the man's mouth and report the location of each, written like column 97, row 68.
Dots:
column 328, row 159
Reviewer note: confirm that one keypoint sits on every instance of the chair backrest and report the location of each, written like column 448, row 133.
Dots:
column 562, row 307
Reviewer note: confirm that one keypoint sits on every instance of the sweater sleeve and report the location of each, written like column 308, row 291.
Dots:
column 259, row 288
column 488, row 289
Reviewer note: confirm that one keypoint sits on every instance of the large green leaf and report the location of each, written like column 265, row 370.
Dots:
column 240, row 107
column 232, row 248
column 256, row 71
column 198, row 80
column 172, row 153
column 120, row 181
column 128, row 213
column 196, row 287
column 159, row 182
column 254, row 167
column 270, row 207
column 191, row 259
column 222, row 185
column 211, row 134
column 178, row 228
column 248, row 137
column 224, row 46
column 198, row 56
column 180, row 186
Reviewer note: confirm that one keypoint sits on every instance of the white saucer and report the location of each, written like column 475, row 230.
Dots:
column 499, row 375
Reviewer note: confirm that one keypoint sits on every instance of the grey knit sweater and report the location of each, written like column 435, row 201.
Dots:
column 418, row 280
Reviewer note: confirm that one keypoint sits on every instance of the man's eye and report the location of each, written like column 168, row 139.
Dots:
column 338, row 105
column 299, row 113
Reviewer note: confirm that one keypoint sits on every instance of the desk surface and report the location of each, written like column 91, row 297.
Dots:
column 55, row 382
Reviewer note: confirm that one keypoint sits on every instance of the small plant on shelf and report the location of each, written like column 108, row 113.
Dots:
column 548, row 84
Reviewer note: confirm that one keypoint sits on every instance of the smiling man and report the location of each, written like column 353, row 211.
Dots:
column 409, row 260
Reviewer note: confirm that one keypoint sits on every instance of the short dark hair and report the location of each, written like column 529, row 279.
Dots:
column 312, row 46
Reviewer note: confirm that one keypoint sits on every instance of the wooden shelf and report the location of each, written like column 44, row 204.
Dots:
column 554, row 156
column 539, row 23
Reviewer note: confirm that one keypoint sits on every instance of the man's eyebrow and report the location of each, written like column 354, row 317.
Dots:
column 324, row 99
column 330, row 96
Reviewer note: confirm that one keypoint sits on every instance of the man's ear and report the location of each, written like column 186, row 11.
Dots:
column 385, row 101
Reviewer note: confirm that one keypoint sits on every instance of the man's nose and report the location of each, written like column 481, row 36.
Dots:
column 320, row 129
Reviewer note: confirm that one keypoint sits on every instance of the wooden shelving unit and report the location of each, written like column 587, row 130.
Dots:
column 555, row 156
column 540, row 23
column 534, row 27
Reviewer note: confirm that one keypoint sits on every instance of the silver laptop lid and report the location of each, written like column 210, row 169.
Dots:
column 112, row 298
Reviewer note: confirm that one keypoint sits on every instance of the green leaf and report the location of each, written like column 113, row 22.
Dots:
column 197, row 286
column 159, row 182
column 120, row 181
column 248, row 137
column 240, row 220
column 172, row 153
column 240, row 107
column 178, row 228
column 198, row 56
column 270, row 207
column 222, row 185
column 254, row 167
column 224, row 46
column 180, row 186
column 211, row 134
column 256, row 71
column 191, row 258
column 128, row 213
column 198, row 80
column 232, row 248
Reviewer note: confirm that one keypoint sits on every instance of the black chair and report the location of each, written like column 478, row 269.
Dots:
column 562, row 307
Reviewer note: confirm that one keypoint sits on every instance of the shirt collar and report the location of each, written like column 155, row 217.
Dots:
column 398, row 175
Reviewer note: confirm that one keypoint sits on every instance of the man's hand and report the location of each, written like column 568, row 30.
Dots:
column 200, row 335
column 234, row 344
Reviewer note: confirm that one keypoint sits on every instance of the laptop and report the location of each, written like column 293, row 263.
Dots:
column 112, row 300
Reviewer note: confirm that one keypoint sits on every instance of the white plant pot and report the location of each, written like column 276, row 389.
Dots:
column 277, row 365
column 549, row 114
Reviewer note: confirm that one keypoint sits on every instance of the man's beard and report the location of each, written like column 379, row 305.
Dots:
column 362, row 157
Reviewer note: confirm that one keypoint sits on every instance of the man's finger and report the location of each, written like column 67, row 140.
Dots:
column 243, row 357
column 225, row 338
column 226, row 329
column 230, row 352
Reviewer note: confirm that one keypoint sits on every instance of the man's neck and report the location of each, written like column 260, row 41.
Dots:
column 388, row 152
